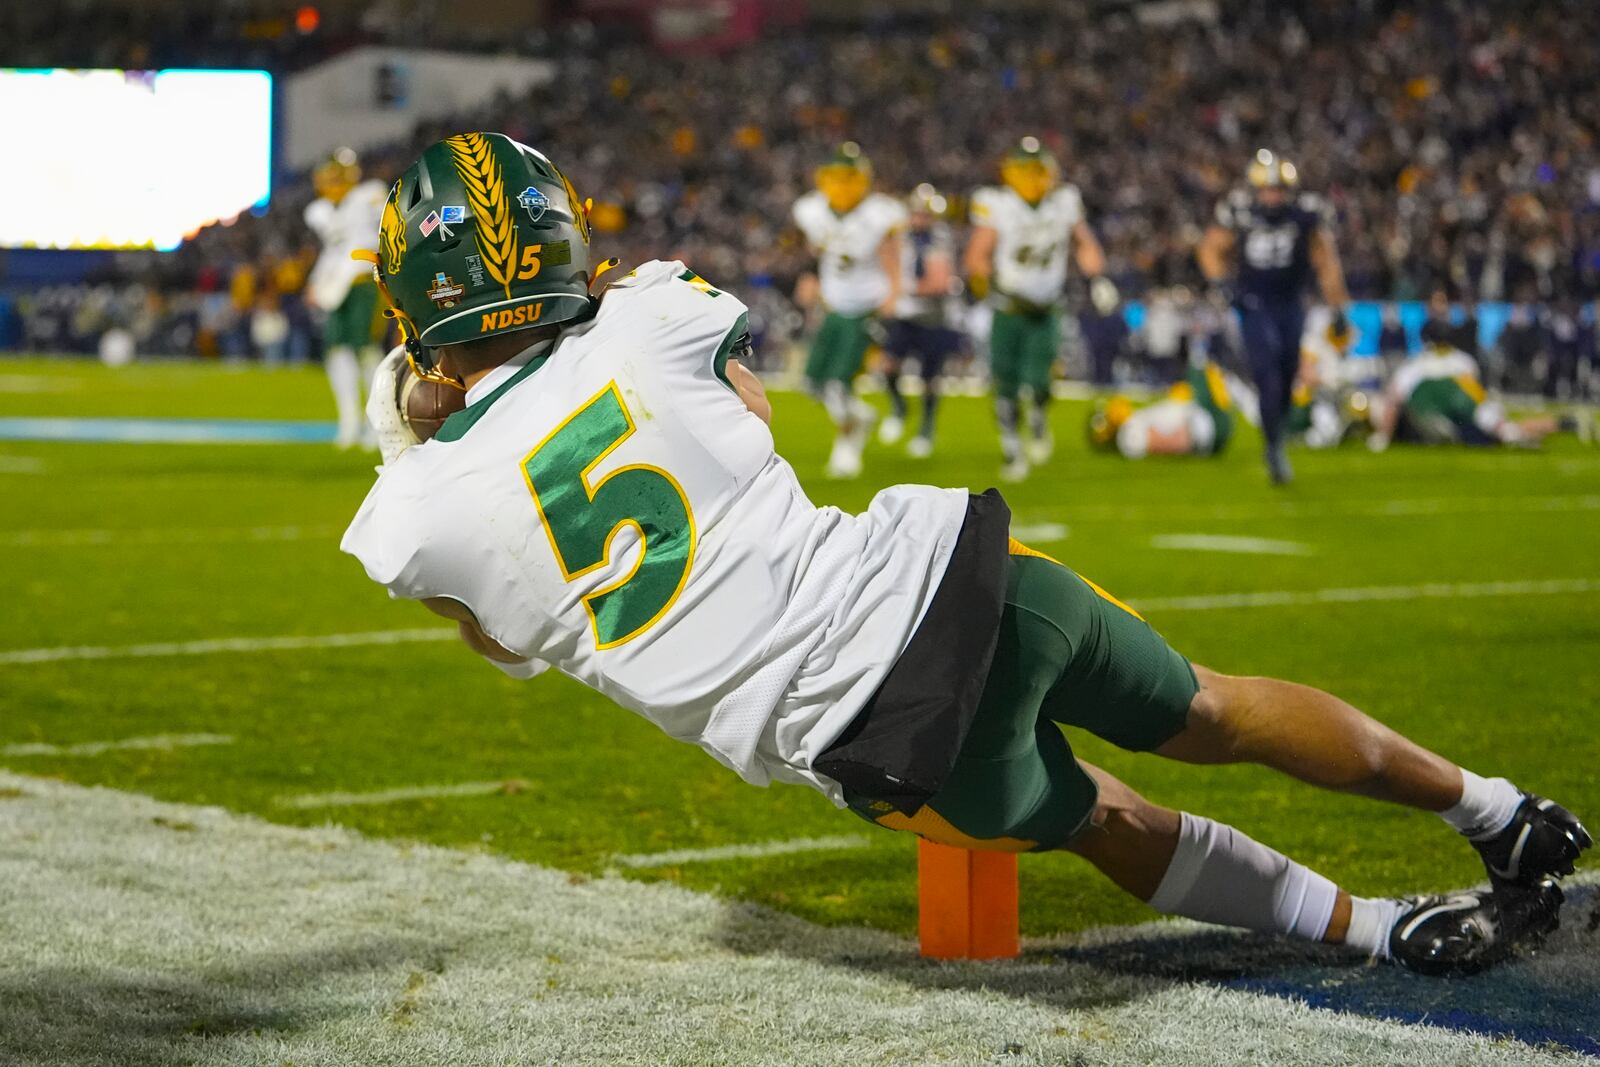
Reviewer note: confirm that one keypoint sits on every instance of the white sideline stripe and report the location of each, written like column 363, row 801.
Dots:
column 1405, row 507
column 157, row 742
column 1042, row 532
column 21, row 465
column 1251, row 546
column 392, row 796
column 224, row 644
column 673, row 857
column 73, row 538
column 1361, row 594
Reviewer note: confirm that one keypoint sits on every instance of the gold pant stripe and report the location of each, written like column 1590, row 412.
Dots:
column 932, row 826
column 1017, row 548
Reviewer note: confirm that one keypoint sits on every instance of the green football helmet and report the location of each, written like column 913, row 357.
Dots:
column 481, row 236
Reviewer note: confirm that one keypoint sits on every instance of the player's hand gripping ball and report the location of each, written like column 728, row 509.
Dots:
column 424, row 405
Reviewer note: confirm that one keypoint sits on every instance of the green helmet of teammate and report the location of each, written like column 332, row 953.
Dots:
column 482, row 236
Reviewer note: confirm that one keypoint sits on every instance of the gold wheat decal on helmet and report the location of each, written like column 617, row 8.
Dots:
column 496, row 231
column 392, row 231
column 580, row 217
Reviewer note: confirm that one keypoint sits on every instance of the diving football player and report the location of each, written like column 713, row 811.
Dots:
column 855, row 233
column 919, row 329
column 1017, row 259
column 609, row 504
column 1279, row 239
column 344, row 216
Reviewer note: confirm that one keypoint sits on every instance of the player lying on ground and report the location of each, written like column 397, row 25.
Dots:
column 1194, row 419
column 1437, row 398
column 608, row 503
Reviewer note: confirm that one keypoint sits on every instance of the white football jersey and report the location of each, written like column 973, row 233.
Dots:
column 1431, row 366
column 1167, row 418
column 609, row 507
column 345, row 227
column 852, row 277
column 1033, row 242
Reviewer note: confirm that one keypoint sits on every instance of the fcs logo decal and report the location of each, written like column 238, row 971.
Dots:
column 525, row 315
column 534, row 201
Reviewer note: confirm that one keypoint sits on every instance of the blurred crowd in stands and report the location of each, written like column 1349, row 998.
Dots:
column 1456, row 141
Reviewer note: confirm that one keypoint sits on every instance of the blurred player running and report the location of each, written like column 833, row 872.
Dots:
column 919, row 330
column 1282, row 239
column 609, row 504
column 855, row 233
column 1194, row 419
column 344, row 217
column 1017, row 258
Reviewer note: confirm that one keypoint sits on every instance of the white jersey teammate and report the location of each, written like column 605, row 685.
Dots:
column 344, row 217
column 856, row 235
column 1022, row 234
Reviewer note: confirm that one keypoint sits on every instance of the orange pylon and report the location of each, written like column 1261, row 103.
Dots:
column 967, row 903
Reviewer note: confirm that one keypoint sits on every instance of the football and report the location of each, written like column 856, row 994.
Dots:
column 425, row 404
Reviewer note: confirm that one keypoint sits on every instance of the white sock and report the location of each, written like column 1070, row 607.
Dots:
column 344, row 375
column 1486, row 806
column 1370, row 922
column 1219, row 875
column 836, row 401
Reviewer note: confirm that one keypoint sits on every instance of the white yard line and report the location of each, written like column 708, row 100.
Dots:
column 1041, row 532
column 1250, row 546
column 759, row 850
column 1286, row 598
column 155, row 742
column 396, row 796
column 21, row 465
column 287, row 643
column 79, row 538
column 1404, row 507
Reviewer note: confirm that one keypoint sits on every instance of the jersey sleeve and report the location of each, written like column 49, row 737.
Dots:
column 388, row 533
column 805, row 216
column 982, row 210
column 319, row 216
column 1071, row 205
column 413, row 557
column 892, row 215
column 1318, row 212
column 698, row 327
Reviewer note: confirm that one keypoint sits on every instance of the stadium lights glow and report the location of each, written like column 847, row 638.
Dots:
column 130, row 159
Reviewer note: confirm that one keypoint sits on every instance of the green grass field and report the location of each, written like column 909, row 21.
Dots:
column 116, row 545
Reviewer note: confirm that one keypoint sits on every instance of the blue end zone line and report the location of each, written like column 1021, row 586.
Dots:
column 168, row 431
column 1378, row 1001
column 1449, row 1018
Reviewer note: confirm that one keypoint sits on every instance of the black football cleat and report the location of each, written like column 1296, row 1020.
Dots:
column 1278, row 468
column 1465, row 933
column 1541, row 841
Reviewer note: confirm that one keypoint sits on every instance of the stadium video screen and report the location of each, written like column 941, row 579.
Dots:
column 130, row 159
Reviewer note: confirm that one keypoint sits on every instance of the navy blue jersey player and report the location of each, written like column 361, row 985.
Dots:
column 1272, row 240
